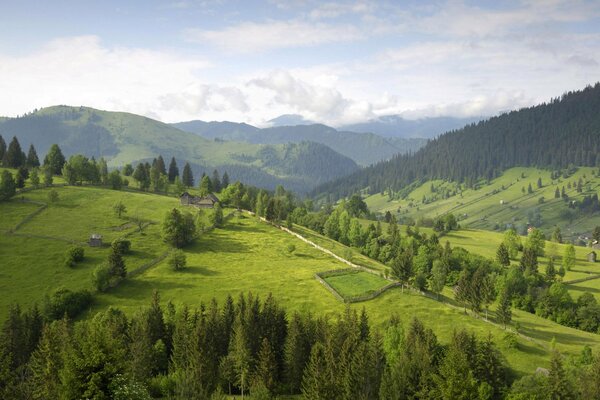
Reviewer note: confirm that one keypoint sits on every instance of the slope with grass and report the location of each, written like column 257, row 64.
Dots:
column 502, row 202
column 244, row 255
column 128, row 138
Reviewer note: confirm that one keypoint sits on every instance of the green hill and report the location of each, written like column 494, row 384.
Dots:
column 364, row 148
column 503, row 202
column 127, row 138
column 245, row 255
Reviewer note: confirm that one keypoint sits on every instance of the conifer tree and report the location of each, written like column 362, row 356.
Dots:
column 55, row 160
column 225, row 181
column 503, row 312
column 558, row 384
column 206, row 186
column 502, row 255
column 173, row 170
column 2, row 149
column 14, row 156
column 568, row 260
column 187, row 177
column 439, row 273
column 32, row 158
column 240, row 354
column 316, row 383
column 557, row 193
column 8, row 186
column 160, row 165
column 216, row 181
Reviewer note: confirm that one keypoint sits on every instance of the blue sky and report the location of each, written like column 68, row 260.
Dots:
column 333, row 62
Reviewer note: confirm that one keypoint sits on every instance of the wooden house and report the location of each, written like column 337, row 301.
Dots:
column 95, row 240
column 208, row 201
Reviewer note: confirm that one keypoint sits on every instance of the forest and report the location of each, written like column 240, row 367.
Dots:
column 551, row 135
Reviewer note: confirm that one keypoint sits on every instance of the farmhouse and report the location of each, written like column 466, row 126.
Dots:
column 208, row 201
column 95, row 240
column 592, row 257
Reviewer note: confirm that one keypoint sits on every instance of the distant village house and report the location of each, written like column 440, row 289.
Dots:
column 208, row 201
column 95, row 240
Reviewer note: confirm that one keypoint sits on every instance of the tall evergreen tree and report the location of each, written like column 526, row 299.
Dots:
column 55, row 159
column 8, row 185
column 14, row 156
column 503, row 312
column 206, row 186
column 558, row 387
column 502, row 255
column 173, row 170
column 160, row 165
column 216, row 181
column 187, row 176
column 225, row 181
column 32, row 158
column 2, row 149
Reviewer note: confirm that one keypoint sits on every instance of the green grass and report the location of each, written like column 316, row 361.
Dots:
column 355, row 283
column 482, row 207
column 245, row 255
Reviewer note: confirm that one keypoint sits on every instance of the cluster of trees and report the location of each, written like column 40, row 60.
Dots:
column 114, row 270
column 253, row 346
column 543, row 293
column 552, row 135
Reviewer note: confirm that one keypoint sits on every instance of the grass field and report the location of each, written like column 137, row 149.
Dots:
column 356, row 283
column 501, row 202
column 246, row 255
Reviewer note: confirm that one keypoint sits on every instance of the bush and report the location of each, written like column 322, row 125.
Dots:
column 177, row 261
column 53, row 196
column 65, row 301
column 101, row 278
column 74, row 255
column 121, row 246
column 291, row 248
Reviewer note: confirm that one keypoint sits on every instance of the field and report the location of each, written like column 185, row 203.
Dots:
column 503, row 201
column 356, row 283
column 245, row 255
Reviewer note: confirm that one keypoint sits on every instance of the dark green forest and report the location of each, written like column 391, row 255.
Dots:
column 554, row 135
column 254, row 346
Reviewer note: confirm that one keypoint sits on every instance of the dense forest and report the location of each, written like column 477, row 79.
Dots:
column 551, row 135
column 253, row 346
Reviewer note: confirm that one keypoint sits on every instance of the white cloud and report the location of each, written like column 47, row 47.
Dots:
column 251, row 37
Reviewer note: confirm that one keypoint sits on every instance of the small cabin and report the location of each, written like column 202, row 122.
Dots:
column 187, row 199
column 591, row 257
column 95, row 240
column 208, row 201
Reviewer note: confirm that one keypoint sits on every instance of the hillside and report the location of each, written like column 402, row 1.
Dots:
column 127, row 138
column 244, row 255
column 503, row 202
column 551, row 135
column 363, row 148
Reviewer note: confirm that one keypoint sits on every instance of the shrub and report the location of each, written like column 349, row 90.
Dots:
column 177, row 261
column 291, row 248
column 74, row 255
column 53, row 196
column 121, row 246
column 101, row 278
column 65, row 301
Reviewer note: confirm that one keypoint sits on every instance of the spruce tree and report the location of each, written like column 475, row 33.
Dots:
column 503, row 312
column 116, row 264
column 173, row 170
column 266, row 367
column 439, row 274
column 568, row 260
column 558, row 384
column 187, row 176
column 206, row 186
column 2, row 149
column 14, row 156
column 32, row 158
column 225, row 181
column 160, row 165
column 216, row 181
column 502, row 255
column 55, row 160
column 557, row 193
column 8, row 185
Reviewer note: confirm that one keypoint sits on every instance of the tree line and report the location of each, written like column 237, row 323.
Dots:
column 551, row 135
column 254, row 347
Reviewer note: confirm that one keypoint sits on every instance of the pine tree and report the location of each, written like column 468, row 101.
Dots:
column 173, row 170
column 266, row 367
column 557, row 193
column 568, row 260
column 8, row 186
column 160, row 165
column 2, row 149
column 206, row 186
column 558, row 385
column 55, row 160
column 402, row 267
column 14, row 156
column 316, row 382
column 539, row 183
column 502, row 255
column 240, row 354
column 503, row 312
column 225, row 181
column 32, row 158
column 550, row 271
column 439, row 274
column 216, row 181
column 116, row 264
column 187, row 176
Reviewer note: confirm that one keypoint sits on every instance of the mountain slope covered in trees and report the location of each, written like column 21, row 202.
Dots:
column 551, row 135
column 128, row 138
column 364, row 148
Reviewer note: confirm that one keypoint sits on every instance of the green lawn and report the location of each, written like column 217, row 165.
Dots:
column 355, row 284
column 245, row 255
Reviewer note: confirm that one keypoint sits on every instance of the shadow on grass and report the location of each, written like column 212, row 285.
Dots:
column 136, row 289
column 583, row 289
column 198, row 270
column 532, row 331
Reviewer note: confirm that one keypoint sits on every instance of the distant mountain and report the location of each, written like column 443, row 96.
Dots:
column 396, row 126
column 553, row 135
column 363, row 148
column 128, row 138
column 289, row 120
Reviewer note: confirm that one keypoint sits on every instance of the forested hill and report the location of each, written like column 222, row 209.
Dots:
column 551, row 135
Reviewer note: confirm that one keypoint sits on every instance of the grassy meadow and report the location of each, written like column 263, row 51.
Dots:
column 245, row 255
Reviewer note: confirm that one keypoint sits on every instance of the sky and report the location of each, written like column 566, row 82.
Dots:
column 333, row 62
